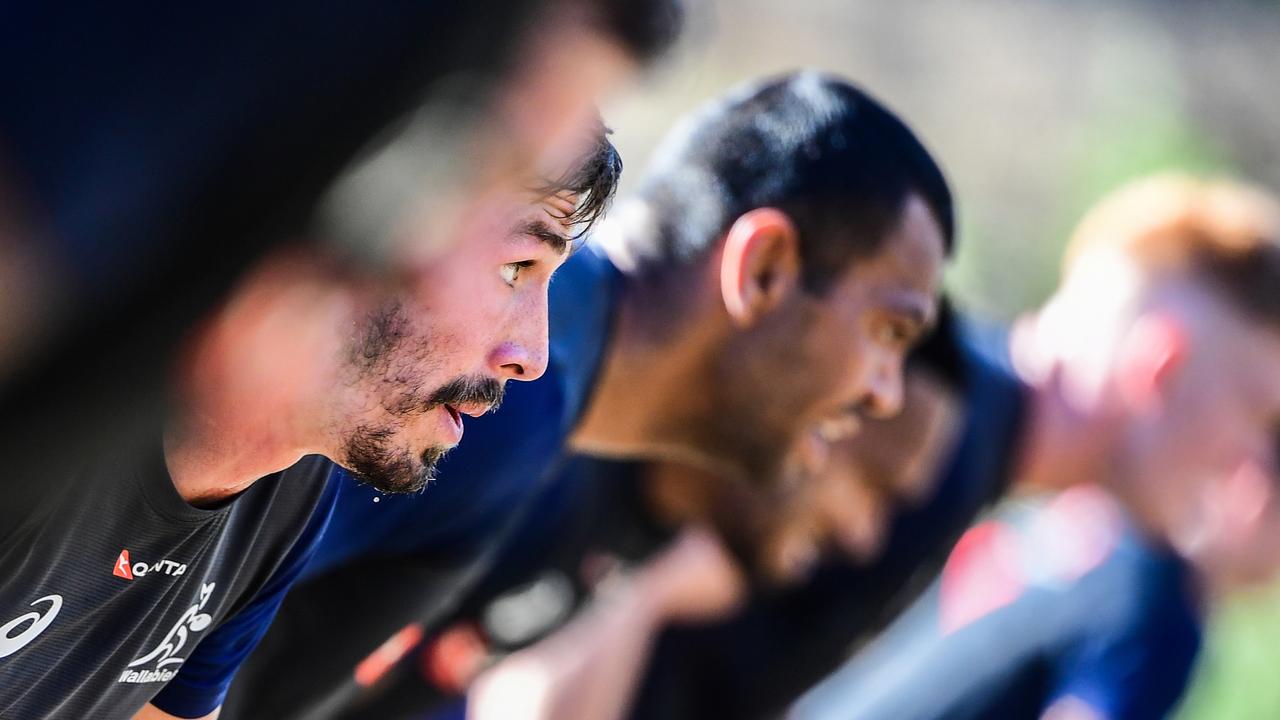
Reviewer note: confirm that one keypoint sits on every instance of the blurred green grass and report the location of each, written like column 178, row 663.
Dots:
column 1235, row 678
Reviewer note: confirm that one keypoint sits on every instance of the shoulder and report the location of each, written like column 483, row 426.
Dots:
column 1029, row 552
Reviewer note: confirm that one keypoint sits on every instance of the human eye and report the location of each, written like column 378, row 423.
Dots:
column 895, row 333
column 511, row 271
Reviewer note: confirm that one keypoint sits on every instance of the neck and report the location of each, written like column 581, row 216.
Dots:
column 210, row 461
column 247, row 384
column 650, row 400
column 1057, row 448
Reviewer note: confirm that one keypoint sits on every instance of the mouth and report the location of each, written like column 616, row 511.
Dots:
column 471, row 409
column 840, row 428
column 453, row 423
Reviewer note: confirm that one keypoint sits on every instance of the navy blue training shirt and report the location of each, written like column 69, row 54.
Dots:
column 1046, row 601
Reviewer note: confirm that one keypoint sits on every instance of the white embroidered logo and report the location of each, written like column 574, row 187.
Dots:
column 10, row 644
column 165, row 654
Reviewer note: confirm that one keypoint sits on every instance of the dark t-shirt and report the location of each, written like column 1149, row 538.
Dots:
column 1044, row 601
column 391, row 562
column 116, row 592
column 587, row 525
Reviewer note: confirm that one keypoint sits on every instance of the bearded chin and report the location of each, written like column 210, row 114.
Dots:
column 374, row 460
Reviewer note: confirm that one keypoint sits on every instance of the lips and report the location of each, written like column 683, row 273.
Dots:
column 451, row 418
column 472, row 409
column 840, row 428
column 452, row 424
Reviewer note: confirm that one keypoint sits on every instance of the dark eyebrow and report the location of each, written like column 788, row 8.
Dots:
column 543, row 232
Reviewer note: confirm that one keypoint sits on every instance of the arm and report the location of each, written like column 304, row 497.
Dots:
column 1137, row 659
column 589, row 669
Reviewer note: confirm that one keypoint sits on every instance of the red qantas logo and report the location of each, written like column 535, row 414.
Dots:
column 129, row 570
column 122, row 566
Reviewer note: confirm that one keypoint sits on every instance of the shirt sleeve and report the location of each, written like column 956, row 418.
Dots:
column 201, row 684
column 1137, row 665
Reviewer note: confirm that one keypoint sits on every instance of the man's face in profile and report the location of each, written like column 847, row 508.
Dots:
column 442, row 343
column 842, row 492
column 836, row 358
column 834, row 496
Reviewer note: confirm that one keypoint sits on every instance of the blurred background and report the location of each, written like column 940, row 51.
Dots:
column 1036, row 109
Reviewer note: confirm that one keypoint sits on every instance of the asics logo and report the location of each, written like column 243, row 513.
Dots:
column 13, row 639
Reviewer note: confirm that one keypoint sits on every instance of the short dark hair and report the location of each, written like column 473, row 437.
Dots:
column 810, row 144
column 593, row 179
column 645, row 29
column 393, row 172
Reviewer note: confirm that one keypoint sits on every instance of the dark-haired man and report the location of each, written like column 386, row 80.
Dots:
column 136, row 589
column 190, row 141
column 1064, row 609
column 783, row 255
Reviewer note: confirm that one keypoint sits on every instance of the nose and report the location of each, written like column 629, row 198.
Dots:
column 521, row 353
column 884, row 394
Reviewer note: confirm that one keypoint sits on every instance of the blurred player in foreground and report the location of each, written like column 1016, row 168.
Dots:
column 140, row 583
column 1155, row 373
column 149, row 578
column 783, row 256
column 150, row 156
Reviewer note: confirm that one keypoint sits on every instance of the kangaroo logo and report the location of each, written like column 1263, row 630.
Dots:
column 192, row 621
column 10, row 644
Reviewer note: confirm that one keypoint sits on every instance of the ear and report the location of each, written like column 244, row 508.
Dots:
column 760, row 264
column 1150, row 354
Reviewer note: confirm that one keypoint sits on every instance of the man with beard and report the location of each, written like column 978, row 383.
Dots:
column 138, row 588
column 1065, row 608
column 364, row 341
column 149, row 157
column 780, row 260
